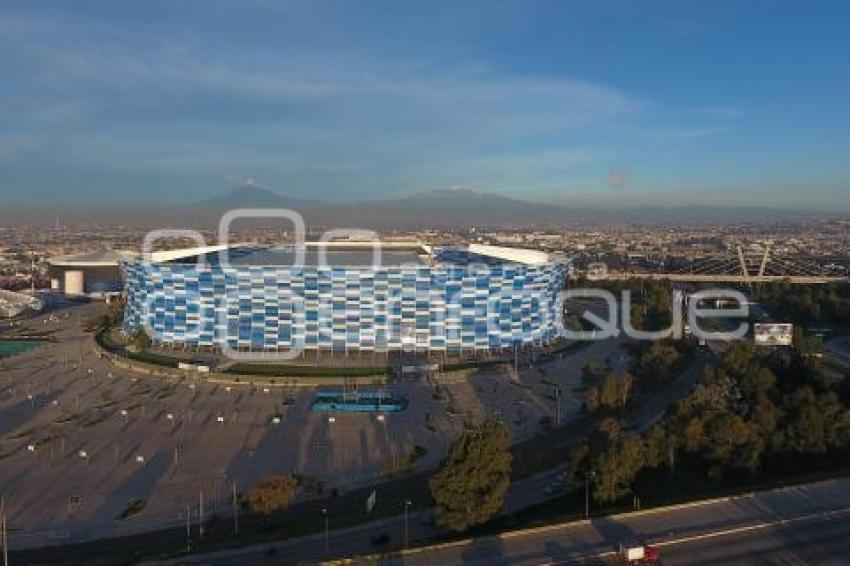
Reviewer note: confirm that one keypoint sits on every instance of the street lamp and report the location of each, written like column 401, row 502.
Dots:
column 407, row 503
column 587, row 475
column 327, row 522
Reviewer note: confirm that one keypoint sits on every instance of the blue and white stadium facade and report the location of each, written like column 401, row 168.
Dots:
column 418, row 299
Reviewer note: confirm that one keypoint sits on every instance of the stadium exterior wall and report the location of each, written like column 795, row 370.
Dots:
column 344, row 309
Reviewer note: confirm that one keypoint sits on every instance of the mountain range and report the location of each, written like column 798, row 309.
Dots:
column 455, row 208
column 451, row 208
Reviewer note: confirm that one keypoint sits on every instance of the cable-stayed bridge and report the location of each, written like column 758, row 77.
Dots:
column 740, row 266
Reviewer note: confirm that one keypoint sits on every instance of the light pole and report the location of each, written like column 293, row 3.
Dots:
column 235, row 513
column 201, row 512
column 587, row 475
column 5, row 534
column 327, row 521
column 188, row 528
column 557, row 406
column 406, row 531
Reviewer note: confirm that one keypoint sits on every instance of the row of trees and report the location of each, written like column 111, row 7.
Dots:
column 653, row 365
column 606, row 391
column 651, row 302
column 807, row 303
column 753, row 413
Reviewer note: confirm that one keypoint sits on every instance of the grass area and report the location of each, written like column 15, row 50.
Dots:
column 405, row 463
column 155, row 359
column 65, row 418
column 133, row 508
column 93, row 420
column 106, row 340
column 17, row 346
column 282, row 370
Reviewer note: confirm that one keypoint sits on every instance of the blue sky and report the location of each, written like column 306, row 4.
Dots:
column 615, row 103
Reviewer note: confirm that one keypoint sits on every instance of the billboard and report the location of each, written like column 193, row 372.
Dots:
column 774, row 334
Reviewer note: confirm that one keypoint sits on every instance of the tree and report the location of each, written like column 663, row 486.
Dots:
column 115, row 308
column 756, row 383
column 615, row 467
column 139, row 340
column 806, row 430
column 275, row 492
column 612, row 393
column 589, row 373
column 591, row 399
column 656, row 446
column 608, row 391
column 471, row 484
column 657, row 363
column 577, row 463
column 731, row 441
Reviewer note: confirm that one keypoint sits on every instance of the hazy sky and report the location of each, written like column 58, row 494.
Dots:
column 737, row 102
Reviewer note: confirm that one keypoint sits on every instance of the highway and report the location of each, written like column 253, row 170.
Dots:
column 840, row 348
column 806, row 524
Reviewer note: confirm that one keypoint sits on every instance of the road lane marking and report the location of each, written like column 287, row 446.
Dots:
column 826, row 515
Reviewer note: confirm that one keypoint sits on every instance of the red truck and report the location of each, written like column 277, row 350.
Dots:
column 639, row 554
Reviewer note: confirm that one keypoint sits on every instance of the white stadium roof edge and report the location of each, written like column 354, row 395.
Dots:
column 112, row 258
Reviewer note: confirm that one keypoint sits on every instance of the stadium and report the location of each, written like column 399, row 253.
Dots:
column 344, row 297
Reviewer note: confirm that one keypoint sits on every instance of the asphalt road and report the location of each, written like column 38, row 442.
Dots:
column 807, row 524
column 840, row 348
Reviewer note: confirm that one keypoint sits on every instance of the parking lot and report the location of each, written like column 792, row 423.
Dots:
column 80, row 439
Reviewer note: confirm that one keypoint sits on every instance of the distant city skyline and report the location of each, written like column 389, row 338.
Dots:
column 605, row 103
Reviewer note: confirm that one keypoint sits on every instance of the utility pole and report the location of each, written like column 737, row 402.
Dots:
column 5, row 535
column 406, row 530
column 587, row 493
column 235, row 513
column 327, row 522
column 188, row 528
column 557, row 406
column 201, row 512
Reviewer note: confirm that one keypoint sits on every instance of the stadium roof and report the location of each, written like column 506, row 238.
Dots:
column 337, row 253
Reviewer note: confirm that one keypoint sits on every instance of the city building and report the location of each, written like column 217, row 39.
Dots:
column 94, row 274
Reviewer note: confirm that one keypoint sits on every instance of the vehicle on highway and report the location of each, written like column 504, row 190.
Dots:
column 639, row 554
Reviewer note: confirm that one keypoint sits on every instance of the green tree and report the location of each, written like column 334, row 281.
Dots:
column 756, row 383
column 732, row 442
column 614, row 390
column 275, row 492
column 471, row 484
column 657, row 363
column 615, row 467
column 139, row 340
column 591, row 399
column 806, row 428
column 589, row 373
column 656, row 446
